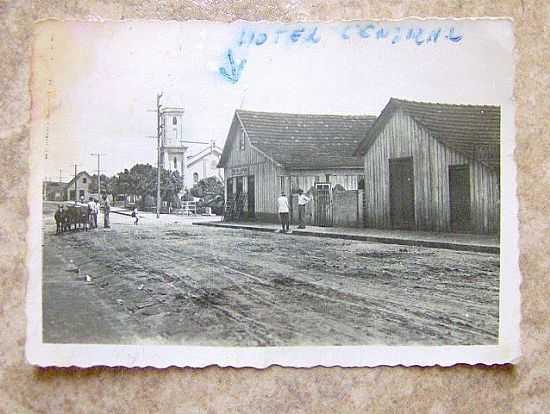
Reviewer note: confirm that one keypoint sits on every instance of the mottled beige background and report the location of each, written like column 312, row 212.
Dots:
column 522, row 388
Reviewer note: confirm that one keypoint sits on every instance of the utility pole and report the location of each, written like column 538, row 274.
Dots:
column 159, row 95
column 98, row 155
column 75, row 185
column 60, row 171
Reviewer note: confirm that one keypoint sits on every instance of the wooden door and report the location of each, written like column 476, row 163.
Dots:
column 240, row 185
column 402, row 193
column 230, row 189
column 251, row 197
column 459, row 197
column 323, row 204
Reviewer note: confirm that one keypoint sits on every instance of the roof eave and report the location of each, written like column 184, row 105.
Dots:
column 227, row 144
column 378, row 124
column 277, row 163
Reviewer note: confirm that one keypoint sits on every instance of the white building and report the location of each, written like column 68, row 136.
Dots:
column 203, row 164
column 173, row 157
column 172, row 150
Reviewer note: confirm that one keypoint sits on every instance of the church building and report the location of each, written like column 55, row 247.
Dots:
column 172, row 150
column 203, row 164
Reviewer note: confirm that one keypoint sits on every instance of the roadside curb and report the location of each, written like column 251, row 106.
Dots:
column 376, row 239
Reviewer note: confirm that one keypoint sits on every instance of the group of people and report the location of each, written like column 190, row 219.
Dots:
column 88, row 218
column 93, row 212
column 283, row 208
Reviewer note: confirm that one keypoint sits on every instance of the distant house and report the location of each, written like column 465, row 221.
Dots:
column 433, row 167
column 203, row 164
column 54, row 191
column 266, row 153
column 79, row 187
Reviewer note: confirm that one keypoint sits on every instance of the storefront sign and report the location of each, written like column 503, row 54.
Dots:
column 239, row 171
column 486, row 152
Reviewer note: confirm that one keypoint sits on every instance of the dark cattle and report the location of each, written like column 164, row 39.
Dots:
column 77, row 216
column 59, row 221
column 66, row 221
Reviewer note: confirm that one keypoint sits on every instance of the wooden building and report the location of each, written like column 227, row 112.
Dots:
column 54, row 191
column 433, row 167
column 266, row 153
column 79, row 187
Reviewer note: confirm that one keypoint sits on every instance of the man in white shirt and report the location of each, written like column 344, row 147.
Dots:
column 96, row 211
column 106, row 212
column 91, row 209
column 283, row 209
column 302, row 201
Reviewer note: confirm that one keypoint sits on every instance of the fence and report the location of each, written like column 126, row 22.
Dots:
column 188, row 208
column 347, row 209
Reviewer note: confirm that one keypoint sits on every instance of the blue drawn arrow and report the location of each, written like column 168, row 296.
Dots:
column 236, row 70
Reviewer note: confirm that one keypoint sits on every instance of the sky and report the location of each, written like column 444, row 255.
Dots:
column 94, row 84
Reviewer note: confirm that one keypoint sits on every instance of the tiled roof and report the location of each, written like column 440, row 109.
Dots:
column 472, row 130
column 305, row 141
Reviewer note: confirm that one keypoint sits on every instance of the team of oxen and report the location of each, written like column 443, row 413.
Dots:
column 72, row 218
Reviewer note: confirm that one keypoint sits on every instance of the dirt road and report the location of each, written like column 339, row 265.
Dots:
column 181, row 284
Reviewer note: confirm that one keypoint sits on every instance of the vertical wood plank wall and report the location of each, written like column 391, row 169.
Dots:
column 403, row 137
column 266, row 186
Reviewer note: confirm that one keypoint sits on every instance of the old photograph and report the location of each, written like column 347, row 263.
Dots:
column 249, row 194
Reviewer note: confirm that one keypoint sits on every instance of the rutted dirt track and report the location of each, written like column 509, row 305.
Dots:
column 177, row 283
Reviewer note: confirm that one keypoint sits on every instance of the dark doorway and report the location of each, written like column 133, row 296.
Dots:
column 459, row 197
column 230, row 188
column 240, row 198
column 402, row 193
column 251, row 199
column 240, row 185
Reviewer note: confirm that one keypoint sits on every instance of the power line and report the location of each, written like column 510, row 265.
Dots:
column 98, row 155
column 159, row 95
column 75, row 184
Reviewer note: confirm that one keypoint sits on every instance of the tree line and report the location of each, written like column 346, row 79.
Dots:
column 141, row 181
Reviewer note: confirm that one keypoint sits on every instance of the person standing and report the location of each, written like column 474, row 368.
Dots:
column 302, row 202
column 96, row 211
column 106, row 211
column 90, row 212
column 283, row 209
column 135, row 215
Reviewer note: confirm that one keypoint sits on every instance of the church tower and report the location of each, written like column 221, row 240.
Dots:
column 172, row 150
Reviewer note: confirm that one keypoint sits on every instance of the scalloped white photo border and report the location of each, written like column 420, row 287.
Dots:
column 160, row 356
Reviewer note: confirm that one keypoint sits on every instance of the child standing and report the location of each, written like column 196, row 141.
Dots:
column 135, row 215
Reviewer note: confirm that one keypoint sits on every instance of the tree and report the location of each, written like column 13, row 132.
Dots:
column 171, row 185
column 106, row 184
column 141, row 181
column 208, row 187
column 120, row 183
